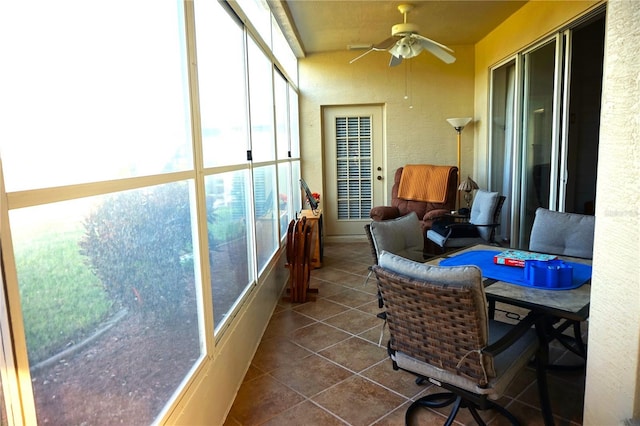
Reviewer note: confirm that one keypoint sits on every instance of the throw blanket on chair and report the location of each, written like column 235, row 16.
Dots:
column 423, row 182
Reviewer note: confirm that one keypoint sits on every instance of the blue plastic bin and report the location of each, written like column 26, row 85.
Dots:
column 550, row 273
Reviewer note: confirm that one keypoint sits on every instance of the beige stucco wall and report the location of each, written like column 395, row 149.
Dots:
column 417, row 135
column 613, row 382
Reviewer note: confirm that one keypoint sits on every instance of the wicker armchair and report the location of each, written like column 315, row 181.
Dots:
column 440, row 332
column 374, row 254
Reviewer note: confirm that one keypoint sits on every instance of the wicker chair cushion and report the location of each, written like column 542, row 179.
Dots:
column 459, row 276
column 401, row 236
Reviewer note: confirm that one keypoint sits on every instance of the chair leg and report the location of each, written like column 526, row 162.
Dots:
column 492, row 309
column 454, row 412
column 476, row 416
column 366, row 280
column 436, row 400
column 439, row 400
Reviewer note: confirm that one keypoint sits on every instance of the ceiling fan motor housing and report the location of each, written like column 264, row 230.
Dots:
column 404, row 29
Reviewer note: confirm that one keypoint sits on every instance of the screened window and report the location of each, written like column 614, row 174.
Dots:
column 108, row 286
column 285, row 197
column 3, row 411
column 297, row 192
column 282, row 115
column 229, row 234
column 90, row 103
column 222, row 84
column 259, row 14
column 103, row 195
column 261, row 104
column 267, row 216
column 294, row 123
column 283, row 52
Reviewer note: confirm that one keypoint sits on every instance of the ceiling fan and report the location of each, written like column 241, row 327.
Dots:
column 405, row 43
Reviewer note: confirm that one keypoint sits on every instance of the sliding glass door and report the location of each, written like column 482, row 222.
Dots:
column 545, row 105
column 539, row 132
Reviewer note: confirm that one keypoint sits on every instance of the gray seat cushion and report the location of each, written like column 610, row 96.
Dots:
column 568, row 234
column 482, row 211
column 401, row 236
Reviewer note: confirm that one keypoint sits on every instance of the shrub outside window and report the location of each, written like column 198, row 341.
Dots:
column 109, row 297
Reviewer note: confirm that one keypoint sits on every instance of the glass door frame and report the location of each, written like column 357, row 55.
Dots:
column 559, row 102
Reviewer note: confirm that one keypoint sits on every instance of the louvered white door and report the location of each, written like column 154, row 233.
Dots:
column 353, row 143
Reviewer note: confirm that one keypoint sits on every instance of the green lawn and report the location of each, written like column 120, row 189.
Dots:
column 62, row 300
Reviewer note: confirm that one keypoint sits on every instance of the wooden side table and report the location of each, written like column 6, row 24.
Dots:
column 317, row 244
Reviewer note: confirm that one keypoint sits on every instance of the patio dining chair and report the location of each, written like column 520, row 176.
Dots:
column 564, row 234
column 440, row 331
column 401, row 236
column 374, row 254
column 481, row 228
column 567, row 234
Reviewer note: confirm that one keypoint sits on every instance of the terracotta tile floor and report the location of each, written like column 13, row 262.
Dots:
column 319, row 363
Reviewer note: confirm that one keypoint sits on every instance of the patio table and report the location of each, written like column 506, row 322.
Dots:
column 549, row 305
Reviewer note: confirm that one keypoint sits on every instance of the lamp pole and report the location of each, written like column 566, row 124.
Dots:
column 458, row 124
column 459, row 131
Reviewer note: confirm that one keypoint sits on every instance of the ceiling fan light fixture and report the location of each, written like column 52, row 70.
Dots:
column 406, row 48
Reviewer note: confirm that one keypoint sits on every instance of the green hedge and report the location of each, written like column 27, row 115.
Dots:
column 139, row 244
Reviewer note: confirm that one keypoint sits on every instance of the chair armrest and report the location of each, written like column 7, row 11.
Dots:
column 435, row 214
column 513, row 335
column 384, row 213
column 461, row 230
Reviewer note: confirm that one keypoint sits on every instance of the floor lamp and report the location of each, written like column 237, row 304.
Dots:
column 458, row 124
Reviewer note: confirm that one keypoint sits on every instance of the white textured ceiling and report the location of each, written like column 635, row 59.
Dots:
column 330, row 25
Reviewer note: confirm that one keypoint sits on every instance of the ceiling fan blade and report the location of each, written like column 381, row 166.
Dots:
column 379, row 47
column 395, row 61
column 385, row 44
column 438, row 50
column 365, row 53
column 428, row 40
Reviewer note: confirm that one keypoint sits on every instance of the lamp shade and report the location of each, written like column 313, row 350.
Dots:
column 458, row 123
column 468, row 185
